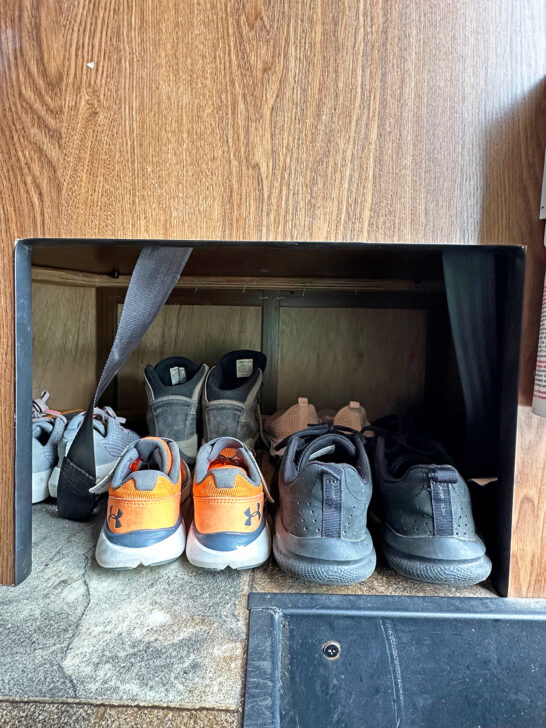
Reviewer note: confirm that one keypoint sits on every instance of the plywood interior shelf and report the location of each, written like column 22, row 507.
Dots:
column 61, row 277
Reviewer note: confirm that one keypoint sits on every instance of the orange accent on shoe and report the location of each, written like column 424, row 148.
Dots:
column 218, row 514
column 242, row 488
column 163, row 488
column 223, row 509
column 132, row 514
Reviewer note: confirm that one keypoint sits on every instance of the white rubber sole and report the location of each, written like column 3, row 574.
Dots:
column 244, row 557
column 112, row 556
column 40, row 489
column 102, row 471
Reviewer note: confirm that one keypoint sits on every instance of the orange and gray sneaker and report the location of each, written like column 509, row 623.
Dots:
column 144, row 523
column 229, row 527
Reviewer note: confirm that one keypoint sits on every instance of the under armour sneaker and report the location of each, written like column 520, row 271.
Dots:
column 47, row 431
column 174, row 389
column 230, row 397
column 110, row 440
column 229, row 527
column 324, row 486
column 428, row 532
column 144, row 522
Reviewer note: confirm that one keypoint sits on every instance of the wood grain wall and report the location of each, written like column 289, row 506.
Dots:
column 64, row 344
column 417, row 120
column 332, row 356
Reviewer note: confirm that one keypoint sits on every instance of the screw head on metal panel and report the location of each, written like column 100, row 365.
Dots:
column 331, row 650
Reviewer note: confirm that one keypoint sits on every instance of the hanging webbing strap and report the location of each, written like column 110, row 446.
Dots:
column 156, row 272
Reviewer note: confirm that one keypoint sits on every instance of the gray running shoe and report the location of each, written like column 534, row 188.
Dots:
column 47, row 430
column 230, row 397
column 428, row 531
column 110, row 440
column 174, row 389
column 324, row 488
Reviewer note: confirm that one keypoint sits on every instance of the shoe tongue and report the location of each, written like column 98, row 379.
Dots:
column 40, row 427
column 238, row 367
column 175, row 370
column 325, row 445
column 143, row 455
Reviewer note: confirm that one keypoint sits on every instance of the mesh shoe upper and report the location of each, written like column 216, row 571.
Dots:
column 46, row 436
column 147, row 487
column 325, row 484
column 284, row 423
column 228, row 494
column 110, row 438
column 420, row 496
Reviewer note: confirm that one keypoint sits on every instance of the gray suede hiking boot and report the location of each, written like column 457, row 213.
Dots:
column 174, row 389
column 428, row 532
column 324, row 488
column 230, row 397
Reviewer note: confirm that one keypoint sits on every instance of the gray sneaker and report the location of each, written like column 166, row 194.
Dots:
column 110, row 439
column 324, row 488
column 174, row 389
column 428, row 531
column 230, row 397
column 47, row 431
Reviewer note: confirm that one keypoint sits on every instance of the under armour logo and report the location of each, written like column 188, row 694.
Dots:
column 116, row 516
column 250, row 515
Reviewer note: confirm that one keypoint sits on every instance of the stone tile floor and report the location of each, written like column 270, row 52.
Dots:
column 171, row 636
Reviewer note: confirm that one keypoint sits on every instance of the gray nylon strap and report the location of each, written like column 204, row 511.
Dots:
column 440, row 479
column 331, row 502
column 156, row 272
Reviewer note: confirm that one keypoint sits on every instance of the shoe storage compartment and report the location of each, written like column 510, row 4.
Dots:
column 338, row 322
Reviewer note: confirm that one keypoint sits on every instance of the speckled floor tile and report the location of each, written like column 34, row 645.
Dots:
column 173, row 634
column 34, row 714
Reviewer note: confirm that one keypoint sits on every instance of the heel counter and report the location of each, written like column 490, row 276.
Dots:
column 225, row 513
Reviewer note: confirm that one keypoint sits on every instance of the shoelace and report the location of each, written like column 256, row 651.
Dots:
column 40, row 409
column 104, row 413
column 317, row 431
column 232, row 460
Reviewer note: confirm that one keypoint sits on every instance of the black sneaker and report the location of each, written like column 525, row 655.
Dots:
column 428, row 532
column 324, row 488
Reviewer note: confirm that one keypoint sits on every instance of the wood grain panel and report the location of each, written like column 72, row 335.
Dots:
column 64, row 346
column 417, row 120
column 200, row 333
column 332, row 356
column 527, row 574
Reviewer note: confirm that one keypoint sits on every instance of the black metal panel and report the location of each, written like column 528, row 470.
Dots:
column 408, row 662
column 23, row 414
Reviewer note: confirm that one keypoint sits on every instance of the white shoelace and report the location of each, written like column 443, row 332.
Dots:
column 104, row 413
